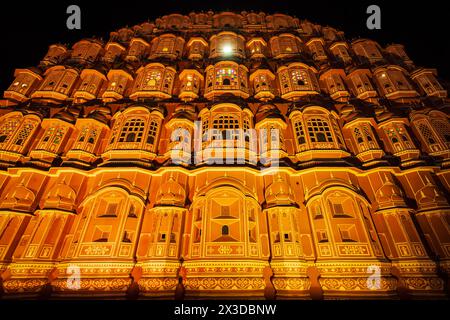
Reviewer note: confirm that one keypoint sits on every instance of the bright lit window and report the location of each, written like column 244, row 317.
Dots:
column 227, row 49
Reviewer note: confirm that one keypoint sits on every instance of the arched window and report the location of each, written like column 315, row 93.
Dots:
column 299, row 132
column 152, row 79
column 299, row 78
column 205, row 128
column 8, row 128
column 152, row 131
column 363, row 137
column 225, row 230
column 52, row 138
column 227, row 76
column 246, row 125
column 24, row 133
column 132, row 131
column 226, row 125
column 319, row 130
column 131, row 136
column 443, row 128
column 427, row 133
column 86, row 138
column 399, row 138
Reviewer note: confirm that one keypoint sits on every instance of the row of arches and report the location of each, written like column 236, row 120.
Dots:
column 226, row 219
column 138, row 129
column 156, row 80
column 223, row 212
column 226, row 44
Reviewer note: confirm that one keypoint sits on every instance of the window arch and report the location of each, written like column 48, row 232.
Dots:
column 226, row 77
column 299, row 132
column 227, row 122
column 227, row 44
column 108, row 215
column 428, row 136
column 296, row 80
column 153, row 80
column 227, row 126
column 364, row 138
column 53, row 137
column 442, row 127
column 319, row 130
column 136, row 129
column 398, row 137
column 152, row 132
column 225, row 230
column 285, row 44
column 8, row 128
column 57, row 84
column 87, row 138
column 16, row 131
column 348, row 220
column 132, row 130
column 167, row 45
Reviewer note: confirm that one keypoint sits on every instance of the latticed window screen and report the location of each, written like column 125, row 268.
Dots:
column 299, row 78
column 287, row 45
column 152, row 131
column 319, row 130
column 364, row 137
column 166, row 45
column 83, row 134
column 398, row 137
column 337, row 131
column 152, row 79
column 299, row 132
column 52, row 138
column 7, row 130
column 246, row 125
column 358, row 135
column 276, row 137
column 205, row 128
column 226, row 123
column 132, row 131
column 367, row 133
column 426, row 133
column 443, row 127
column 92, row 136
column 23, row 134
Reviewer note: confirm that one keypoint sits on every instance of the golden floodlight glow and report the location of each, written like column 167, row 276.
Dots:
column 227, row 49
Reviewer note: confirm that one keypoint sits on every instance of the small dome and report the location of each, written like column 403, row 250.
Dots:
column 430, row 197
column 279, row 193
column 171, row 193
column 389, row 195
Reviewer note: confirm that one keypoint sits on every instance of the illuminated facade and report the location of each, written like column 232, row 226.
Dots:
column 111, row 182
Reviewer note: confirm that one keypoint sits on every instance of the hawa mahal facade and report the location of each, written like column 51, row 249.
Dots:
column 347, row 196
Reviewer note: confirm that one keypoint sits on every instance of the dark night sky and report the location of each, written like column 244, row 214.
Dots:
column 29, row 28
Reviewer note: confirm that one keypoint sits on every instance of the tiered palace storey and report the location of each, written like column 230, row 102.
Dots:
column 120, row 177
